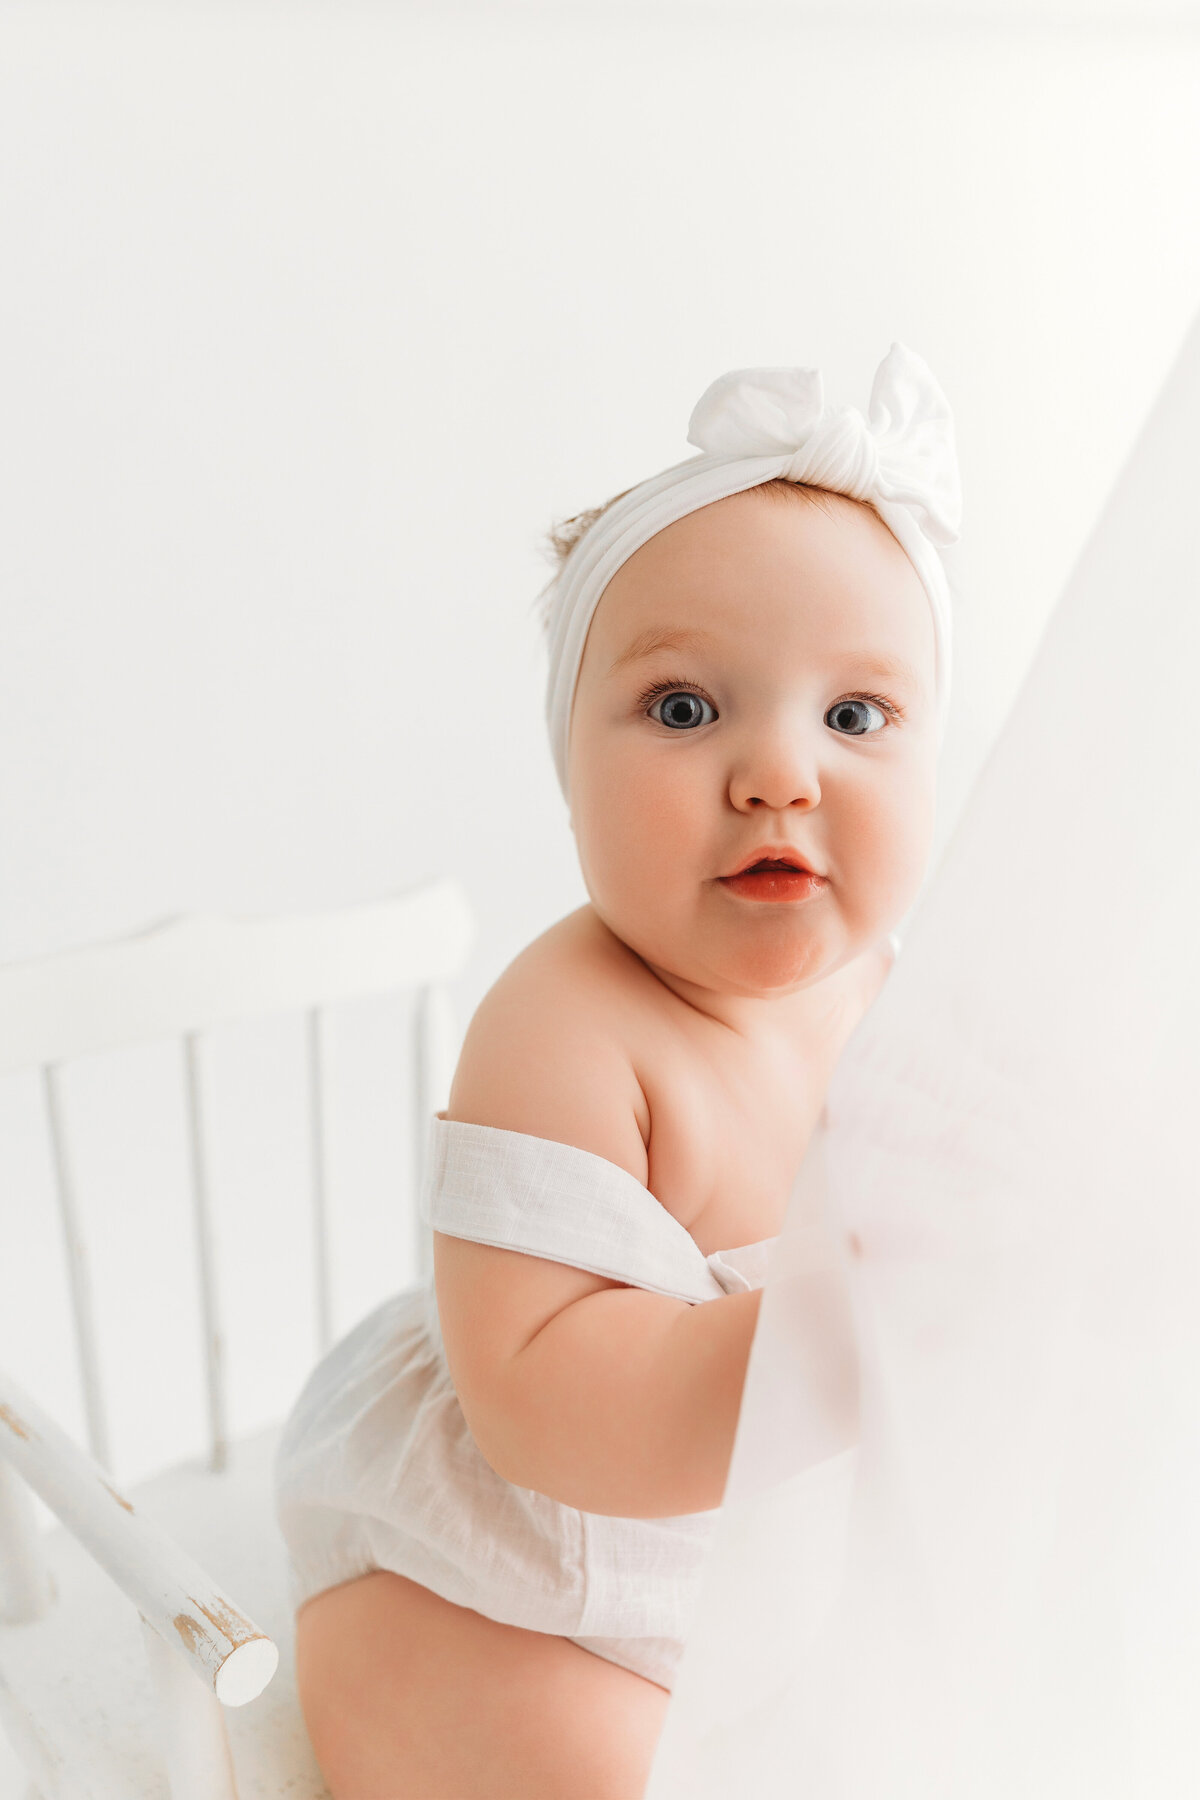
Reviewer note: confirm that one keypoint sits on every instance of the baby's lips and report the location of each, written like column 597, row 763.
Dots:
column 772, row 856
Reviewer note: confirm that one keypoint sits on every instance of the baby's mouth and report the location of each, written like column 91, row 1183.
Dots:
column 771, row 878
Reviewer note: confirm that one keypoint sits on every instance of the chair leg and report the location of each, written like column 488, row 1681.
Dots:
column 191, row 1725
column 41, row 1765
column 26, row 1587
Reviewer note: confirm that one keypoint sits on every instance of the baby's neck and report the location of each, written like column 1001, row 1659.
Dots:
column 762, row 1017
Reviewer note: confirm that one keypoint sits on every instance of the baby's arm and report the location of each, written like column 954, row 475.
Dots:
column 623, row 1401
column 603, row 1396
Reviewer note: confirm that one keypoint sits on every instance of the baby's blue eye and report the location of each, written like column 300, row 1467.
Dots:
column 853, row 717
column 681, row 710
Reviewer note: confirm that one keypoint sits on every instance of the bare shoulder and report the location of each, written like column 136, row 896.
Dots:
column 549, row 1049
column 546, row 1053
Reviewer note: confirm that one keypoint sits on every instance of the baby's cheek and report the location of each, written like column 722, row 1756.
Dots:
column 642, row 831
column 893, row 828
column 645, row 806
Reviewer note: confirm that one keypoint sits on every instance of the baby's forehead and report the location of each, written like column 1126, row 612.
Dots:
column 747, row 573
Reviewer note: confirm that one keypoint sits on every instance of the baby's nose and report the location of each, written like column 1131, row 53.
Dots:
column 778, row 773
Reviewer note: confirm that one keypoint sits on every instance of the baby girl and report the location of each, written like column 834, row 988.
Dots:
column 498, row 1489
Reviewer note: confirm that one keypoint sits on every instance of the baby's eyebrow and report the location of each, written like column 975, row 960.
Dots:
column 661, row 637
column 688, row 637
column 884, row 668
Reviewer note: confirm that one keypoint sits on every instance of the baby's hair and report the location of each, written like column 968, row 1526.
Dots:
column 562, row 537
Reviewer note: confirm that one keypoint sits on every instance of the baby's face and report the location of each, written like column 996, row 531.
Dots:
column 793, row 706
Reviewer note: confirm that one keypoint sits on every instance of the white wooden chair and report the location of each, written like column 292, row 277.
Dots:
column 145, row 1645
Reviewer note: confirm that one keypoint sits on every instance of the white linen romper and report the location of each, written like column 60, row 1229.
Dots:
column 377, row 1469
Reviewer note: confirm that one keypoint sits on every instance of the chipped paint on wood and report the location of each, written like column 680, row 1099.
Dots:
column 228, row 1621
column 192, row 1634
column 16, row 1425
column 225, row 1619
column 154, row 1572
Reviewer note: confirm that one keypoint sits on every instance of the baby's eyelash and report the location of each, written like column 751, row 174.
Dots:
column 649, row 695
column 884, row 705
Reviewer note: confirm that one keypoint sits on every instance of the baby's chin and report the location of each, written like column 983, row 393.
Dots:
column 769, row 972
column 757, row 965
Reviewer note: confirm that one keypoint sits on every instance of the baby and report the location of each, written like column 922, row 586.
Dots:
column 497, row 1496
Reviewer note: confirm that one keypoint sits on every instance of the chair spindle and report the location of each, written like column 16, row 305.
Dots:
column 26, row 1585
column 320, row 1188
column 206, row 1259
column 433, row 1072
column 78, row 1274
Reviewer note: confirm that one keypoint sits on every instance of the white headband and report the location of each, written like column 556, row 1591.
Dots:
column 753, row 425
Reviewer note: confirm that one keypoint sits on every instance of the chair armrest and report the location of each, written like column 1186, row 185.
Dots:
column 171, row 1591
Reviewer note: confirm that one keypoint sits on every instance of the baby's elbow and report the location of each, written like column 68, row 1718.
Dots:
column 510, row 1455
column 512, row 1449
column 490, row 1433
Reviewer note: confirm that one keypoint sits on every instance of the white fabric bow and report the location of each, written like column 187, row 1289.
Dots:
column 756, row 425
column 903, row 451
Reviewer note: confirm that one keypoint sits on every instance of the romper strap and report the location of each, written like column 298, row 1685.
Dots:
column 554, row 1200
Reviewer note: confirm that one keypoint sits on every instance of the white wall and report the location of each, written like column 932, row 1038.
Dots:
column 313, row 318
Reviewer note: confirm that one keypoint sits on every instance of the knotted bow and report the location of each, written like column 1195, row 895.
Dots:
column 902, row 451
column 755, row 425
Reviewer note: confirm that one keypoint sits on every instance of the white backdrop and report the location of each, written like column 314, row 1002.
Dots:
column 313, row 317
column 959, row 1550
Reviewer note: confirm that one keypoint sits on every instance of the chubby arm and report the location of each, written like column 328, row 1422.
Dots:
column 627, row 1402
column 622, row 1401
column 603, row 1396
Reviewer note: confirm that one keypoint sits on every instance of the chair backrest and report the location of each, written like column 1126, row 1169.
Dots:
column 187, row 975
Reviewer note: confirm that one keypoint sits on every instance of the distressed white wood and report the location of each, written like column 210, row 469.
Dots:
column 82, row 1672
column 190, row 973
column 206, row 1259
column 191, row 1728
column 36, row 1756
column 26, row 1590
column 227, row 1651
column 78, row 1274
column 434, row 1055
column 89, row 1730
column 322, row 1295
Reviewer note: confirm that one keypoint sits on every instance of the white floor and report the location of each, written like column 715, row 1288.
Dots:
column 12, row 1780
